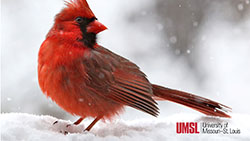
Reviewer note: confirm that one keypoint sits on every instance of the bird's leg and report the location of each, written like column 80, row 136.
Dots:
column 93, row 123
column 76, row 122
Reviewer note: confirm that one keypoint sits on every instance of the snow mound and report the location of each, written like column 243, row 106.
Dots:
column 21, row 126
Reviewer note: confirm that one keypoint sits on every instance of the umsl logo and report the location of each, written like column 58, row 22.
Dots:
column 187, row 128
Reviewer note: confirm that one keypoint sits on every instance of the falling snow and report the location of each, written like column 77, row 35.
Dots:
column 80, row 99
column 9, row 99
column 195, row 24
column 240, row 7
column 160, row 26
column 173, row 39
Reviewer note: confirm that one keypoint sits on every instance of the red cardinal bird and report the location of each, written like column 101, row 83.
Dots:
column 88, row 80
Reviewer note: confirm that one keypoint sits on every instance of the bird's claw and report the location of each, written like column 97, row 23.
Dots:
column 68, row 125
column 55, row 122
column 64, row 132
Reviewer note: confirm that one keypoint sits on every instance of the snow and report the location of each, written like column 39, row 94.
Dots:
column 22, row 126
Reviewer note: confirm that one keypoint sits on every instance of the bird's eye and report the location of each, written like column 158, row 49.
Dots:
column 79, row 20
column 92, row 19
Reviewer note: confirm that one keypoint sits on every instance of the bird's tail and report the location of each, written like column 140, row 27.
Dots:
column 197, row 103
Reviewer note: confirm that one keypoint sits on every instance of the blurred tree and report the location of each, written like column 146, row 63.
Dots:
column 180, row 22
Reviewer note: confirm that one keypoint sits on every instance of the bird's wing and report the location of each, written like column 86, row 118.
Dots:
column 119, row 79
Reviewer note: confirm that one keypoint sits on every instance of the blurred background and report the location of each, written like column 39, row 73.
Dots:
column 199, row 46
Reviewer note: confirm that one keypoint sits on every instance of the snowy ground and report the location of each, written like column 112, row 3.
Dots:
column 20, row 126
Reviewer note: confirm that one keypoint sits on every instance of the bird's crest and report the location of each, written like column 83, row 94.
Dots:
column 73, row 9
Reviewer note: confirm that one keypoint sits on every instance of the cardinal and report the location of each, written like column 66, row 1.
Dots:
column 88, row 80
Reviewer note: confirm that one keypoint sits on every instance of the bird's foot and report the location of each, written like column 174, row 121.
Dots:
column 69, row 125
column 66, row 128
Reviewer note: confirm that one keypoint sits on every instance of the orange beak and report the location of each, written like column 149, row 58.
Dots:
column 96, row 27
